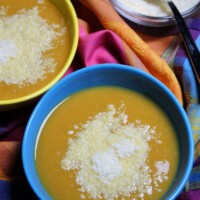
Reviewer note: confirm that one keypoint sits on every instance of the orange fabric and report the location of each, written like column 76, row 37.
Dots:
column 134, row 44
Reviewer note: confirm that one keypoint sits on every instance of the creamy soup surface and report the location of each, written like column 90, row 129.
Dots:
column 96, row 140
column 38, row 50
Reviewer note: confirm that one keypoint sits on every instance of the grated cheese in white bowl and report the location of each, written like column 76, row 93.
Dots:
column 157, row 8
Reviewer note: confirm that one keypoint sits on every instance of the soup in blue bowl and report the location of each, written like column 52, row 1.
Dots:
column 108, row 131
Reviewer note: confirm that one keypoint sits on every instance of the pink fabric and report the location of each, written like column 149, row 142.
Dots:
column 107, row 48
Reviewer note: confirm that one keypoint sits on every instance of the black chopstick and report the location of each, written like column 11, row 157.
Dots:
column 189, row 42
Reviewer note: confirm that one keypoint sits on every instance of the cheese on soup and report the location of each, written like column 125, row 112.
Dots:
column 21, row 54
column 34, row 44
column 110, row 143
column 117, row 162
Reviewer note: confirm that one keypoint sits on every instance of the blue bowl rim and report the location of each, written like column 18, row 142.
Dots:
column 99, row 67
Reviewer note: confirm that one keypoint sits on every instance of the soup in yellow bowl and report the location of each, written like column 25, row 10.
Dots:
column 38, row 42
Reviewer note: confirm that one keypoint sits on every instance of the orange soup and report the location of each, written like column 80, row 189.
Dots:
column 109, row 143
column 36, row 52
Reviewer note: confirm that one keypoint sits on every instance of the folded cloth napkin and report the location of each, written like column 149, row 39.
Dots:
column 101, row 41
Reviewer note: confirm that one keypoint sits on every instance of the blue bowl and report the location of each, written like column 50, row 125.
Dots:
column 114, row 75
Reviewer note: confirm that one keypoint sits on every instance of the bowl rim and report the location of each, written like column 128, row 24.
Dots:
column 151, row 21
column 44, row 100
column 72, row 52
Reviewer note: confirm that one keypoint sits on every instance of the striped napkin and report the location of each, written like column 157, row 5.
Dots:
column 191, row 91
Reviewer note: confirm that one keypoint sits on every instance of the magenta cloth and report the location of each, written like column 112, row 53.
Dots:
column 101, row 47
column 98, row 47
column 191, row 195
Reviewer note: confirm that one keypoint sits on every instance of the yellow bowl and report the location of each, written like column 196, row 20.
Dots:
column 68, row 11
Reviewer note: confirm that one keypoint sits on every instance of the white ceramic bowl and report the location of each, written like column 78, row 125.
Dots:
column 149, row 20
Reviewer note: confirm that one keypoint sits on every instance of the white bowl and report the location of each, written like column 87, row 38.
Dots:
column 148, row 20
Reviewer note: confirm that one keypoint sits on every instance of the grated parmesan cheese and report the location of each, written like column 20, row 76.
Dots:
column 110, row 157
column 24, row 38
column 7, row 50
column 106, row 165
column 162, row 169
column 126, row 148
